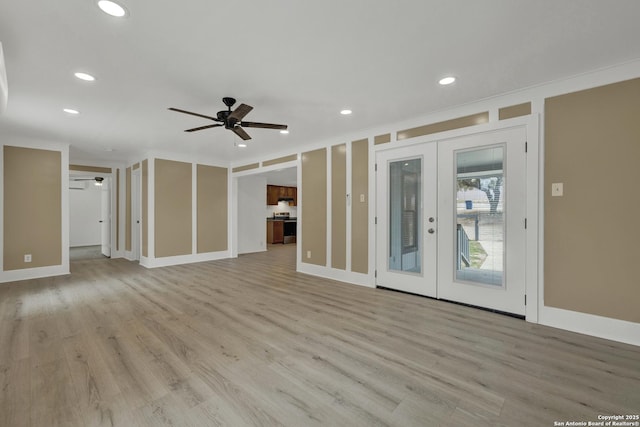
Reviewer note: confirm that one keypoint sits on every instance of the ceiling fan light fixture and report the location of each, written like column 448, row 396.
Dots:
column 346, row 112
column 447, row 80
column 71, row 111
column 242, row 145
column 84, row 76
column 284, row 131
column 98, row 182
column 112, row 8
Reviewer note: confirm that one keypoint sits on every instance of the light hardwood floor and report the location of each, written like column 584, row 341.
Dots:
column 250, row 342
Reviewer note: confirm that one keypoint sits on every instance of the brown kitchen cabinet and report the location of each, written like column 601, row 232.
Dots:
column 275, row 192
column 275, row 232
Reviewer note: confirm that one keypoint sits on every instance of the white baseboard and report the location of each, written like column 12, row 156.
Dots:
column 33, row 273
column 335, row 274
column 183, row 259
column 589, row 324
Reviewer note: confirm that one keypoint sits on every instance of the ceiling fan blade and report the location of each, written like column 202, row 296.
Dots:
column 202, row 127
column 263, row 125
column 240, row 112
column 194, row 114
column 241, row 133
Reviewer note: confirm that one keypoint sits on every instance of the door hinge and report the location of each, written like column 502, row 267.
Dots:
column 375, row 274
column 376, row 221
column 525, row 223
column 526, row 146
column 376, row 167
column 525, row 299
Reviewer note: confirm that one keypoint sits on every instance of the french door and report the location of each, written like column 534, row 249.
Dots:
column 406, row 209
column 450, row 219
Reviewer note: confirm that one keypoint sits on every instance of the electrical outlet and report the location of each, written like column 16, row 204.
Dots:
column 308, row 254
column 27, row 257
column 362, row 198
column 557, row 189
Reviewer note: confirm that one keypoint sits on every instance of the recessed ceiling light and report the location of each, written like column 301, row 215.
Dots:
column 345, row 112
column 447, row 80
column 242, row 145
column 284, row 131
column 71, row 111
column 112, row 8
column 84, row 76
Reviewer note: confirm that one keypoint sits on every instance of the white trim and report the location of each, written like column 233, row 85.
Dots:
column 136, row 207
column 372, row 188
column 533, row 172
column 232, row 221
column 329, row 205
column 350, row 201
column 299, row 196
column 34, row 273
column 194, row 208
column 589, row 324
column 232, row 224
column 151, row 208
column 183, row 259
column 336, row 274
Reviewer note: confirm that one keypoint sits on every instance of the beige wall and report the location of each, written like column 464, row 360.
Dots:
column 512, row 111
column 127, row 210
column 86, row 168
column 212, row 208
column 144, row 209
column 460, row 122
column 360, row 210
column 32, row 207
column 592, row 146
column 314, row 207
column 339, row 206
column 173, row 214
column 279, row 160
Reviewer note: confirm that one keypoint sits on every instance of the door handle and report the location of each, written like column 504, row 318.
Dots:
column 431, row 231
column 100, row 221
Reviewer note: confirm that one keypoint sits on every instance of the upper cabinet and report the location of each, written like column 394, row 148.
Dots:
column 275, row 192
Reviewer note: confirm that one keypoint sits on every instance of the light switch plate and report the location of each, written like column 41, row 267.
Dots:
column 557, row 189
column 362, row 198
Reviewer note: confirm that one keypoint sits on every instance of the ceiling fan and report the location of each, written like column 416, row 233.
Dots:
column 232, row 120
column 98, row 179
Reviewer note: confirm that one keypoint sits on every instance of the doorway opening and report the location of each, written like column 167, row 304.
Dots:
column 267, row 211
column 89, row 216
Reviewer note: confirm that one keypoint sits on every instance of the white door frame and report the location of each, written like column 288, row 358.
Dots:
column 107, row 249
column 136, row 214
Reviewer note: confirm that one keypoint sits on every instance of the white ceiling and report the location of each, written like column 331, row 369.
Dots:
column 296, row 62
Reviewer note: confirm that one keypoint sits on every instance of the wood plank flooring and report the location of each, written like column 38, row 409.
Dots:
column 250, row 342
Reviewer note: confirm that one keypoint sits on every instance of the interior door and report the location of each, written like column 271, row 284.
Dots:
column 105, row 218
column 481, row 217
column 405, row 214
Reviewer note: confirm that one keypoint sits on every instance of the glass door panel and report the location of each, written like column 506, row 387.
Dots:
column 480, row 215
column 405, row 203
